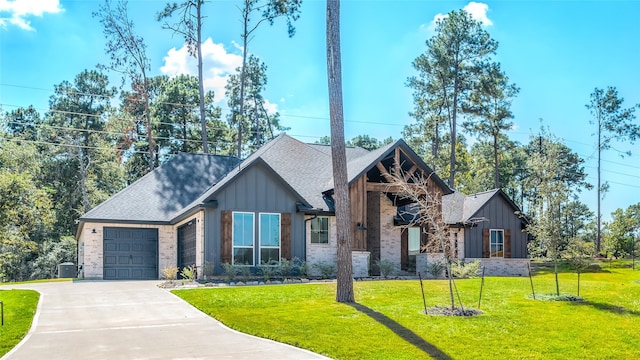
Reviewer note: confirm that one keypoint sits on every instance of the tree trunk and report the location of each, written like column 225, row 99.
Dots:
column 454, row 112
column 344, row 272
column 83, row 180
column 495, row 162
column 203, row 118
column 243, row 74
column 599, row 215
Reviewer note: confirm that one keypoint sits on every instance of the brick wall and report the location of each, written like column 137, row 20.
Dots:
column 321, row 253
column 360, row 263
column 503, row 267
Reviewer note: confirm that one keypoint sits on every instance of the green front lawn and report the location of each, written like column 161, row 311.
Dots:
column 19, row 309
column 388, row 323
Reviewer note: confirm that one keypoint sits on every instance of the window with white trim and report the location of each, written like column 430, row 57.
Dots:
column 243, row 238
column 320, row 230
column 269, row 238
column 497, row 243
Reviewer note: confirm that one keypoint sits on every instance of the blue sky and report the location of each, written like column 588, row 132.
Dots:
column 557, row 52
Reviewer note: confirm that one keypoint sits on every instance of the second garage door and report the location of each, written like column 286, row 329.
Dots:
column 186, row 245
column 130, row 254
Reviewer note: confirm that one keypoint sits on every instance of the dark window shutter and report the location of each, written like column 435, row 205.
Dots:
column 226, row 227
column 404, row 249
column 485, row 243
column 285, row 235
column 507, row 243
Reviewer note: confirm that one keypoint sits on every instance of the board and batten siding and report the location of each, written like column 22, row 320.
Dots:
column 501, row 215
column 256, row 190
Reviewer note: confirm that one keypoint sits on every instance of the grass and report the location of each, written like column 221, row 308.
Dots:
column 38, row 281
column 387, row 322
column 19, row 309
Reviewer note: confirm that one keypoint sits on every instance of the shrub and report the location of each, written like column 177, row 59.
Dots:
column 284, row 268
column 301, row 266
column 386, row 267
column 435, row 268
column 230, row 271
column 245, row 271
column 460, row 269
column 188, row 273
column 326, row 269
column 207, row 269
column 267, row 269
column 170, row 272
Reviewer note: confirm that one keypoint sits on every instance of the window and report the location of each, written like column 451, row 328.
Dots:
column 269, row 237
column 243, row 238
column 497, row 243
column 413, row 246
column 320, row 230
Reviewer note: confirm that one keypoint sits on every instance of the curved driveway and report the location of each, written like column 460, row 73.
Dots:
column 133, row 320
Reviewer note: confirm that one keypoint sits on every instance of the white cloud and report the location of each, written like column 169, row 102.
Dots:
column 271, row 108
column 16, row 12
column 477, row 10
column 218, row 64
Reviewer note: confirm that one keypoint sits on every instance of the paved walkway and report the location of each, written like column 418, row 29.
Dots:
column 133, row 320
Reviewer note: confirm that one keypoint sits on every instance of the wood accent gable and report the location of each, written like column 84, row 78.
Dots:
column 226, row 227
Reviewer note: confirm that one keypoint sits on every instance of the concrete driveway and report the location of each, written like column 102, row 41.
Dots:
column 133, row 320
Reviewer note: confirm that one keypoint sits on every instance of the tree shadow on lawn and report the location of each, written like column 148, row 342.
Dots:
column 403, row 332
column 607, row 307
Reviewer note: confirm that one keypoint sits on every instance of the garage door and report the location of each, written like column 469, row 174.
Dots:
column 187, row 245
column 130, row 254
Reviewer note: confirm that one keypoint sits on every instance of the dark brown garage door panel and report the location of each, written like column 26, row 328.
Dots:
column 187, row 245
column 130, row 254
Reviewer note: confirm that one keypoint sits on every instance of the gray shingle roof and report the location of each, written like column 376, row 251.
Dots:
column 163, row 193
column 458, row 208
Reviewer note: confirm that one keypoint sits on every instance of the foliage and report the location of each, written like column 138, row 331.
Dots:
column 19, row 310
column 367, row 142
column 230, row 271
column 326, row 269
column 387, row 322
column 245, row 271
column 302, row 267
column 613, row 122
column 268, row 269
column 190, row 27
column 460, row 269
column 208, row 269
column 128, row 55
column 455, row 57
column 264, row 126
column 170, row 272
column 622, row 231
column 284, row 267
column 435, row 268
column 188, row 273
column 490, row 108
column 386, row 267
column 52, row 253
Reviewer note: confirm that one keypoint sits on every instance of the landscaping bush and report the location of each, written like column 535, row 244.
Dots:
column 188, row 273
column 460, row 269
column 386, row 267
column 326, row 269
column 268, row 270
column 170, row 272
column 435, row 268
column 301, row 267
column 230, row 271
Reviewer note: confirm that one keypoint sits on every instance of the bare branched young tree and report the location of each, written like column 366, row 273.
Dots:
column 128, row 55
column 426, row 212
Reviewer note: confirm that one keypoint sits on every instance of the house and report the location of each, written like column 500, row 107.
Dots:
column 489, row 227
column 278, row 203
